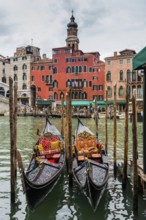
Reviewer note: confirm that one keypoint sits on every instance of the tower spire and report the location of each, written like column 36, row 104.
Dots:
column 72, row 30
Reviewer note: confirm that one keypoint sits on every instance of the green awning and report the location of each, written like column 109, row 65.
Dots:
column 99, row 103
column 117, row 102
column 81, row 103
column 43, row 102
column 139, row 59
column 86, row 103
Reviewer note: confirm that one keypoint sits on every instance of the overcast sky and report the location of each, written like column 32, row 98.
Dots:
column 103, row 25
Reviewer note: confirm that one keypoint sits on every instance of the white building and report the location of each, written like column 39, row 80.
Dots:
column 20, row 67
column 4, row 75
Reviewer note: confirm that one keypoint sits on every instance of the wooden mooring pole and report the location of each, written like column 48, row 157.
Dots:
column 13, row 136
column 106, row 126
column 96, row 117
column 68, row 136
column 135, row 153
column 62, row 116
column 115, row 133
column 124, row 176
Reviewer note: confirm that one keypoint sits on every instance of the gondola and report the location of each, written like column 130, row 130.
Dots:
column 46, row 166
column 90, row 164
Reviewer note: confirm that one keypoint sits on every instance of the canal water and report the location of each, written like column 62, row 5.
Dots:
column 65, row 203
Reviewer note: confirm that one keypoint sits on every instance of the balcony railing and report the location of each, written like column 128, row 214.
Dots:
column 48, row 82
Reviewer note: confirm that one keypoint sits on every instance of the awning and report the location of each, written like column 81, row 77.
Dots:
column 81, row 103
column 117, row 102
column 139, row 59
column 43, row 102
column 99, row 103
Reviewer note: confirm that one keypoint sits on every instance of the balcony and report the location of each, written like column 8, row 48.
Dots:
column 76, row 87
column 48, row 82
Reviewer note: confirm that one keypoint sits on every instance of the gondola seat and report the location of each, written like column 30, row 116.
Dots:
column 96, row 156
column 81, row 158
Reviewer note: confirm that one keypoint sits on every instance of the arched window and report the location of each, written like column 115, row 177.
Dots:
column 24, row 66
column 68, row 83
column 4, row 79
column 24, row 86
column 134, row 76
column 80, row 69
column 55, row 70
column 55, row 95
column 7, row 94
column 73, row 69
column 55, row 84
column 109, row 91
column 128, row 76
column 84, row 83
column 15, row 68
column 84, row 95
column 15, row 77
column 121, row 75
column 121, row 91
column 2, row 91
column 85, row 69
column 24, row 77
column 76, row 70
column 108, row 76
column 80, row 95
column 61, row 95
column 68, row 69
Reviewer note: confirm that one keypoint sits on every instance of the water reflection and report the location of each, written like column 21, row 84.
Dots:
column 64, row 202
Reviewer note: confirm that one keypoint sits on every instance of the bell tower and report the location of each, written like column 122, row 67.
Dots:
column 72, row 32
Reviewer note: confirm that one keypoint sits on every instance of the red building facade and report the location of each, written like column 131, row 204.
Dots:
column 69, row 66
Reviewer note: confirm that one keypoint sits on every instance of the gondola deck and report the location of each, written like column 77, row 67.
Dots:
column 90, row 165
column 46, row 166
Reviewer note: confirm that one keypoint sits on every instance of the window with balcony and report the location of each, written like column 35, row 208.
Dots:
column 95, row 87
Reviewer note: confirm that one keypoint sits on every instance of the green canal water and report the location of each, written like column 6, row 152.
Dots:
column 65, row 203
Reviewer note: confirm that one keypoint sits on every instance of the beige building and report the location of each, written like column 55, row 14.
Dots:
column 4, row 75
column 118, row 71
column 20, row 67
